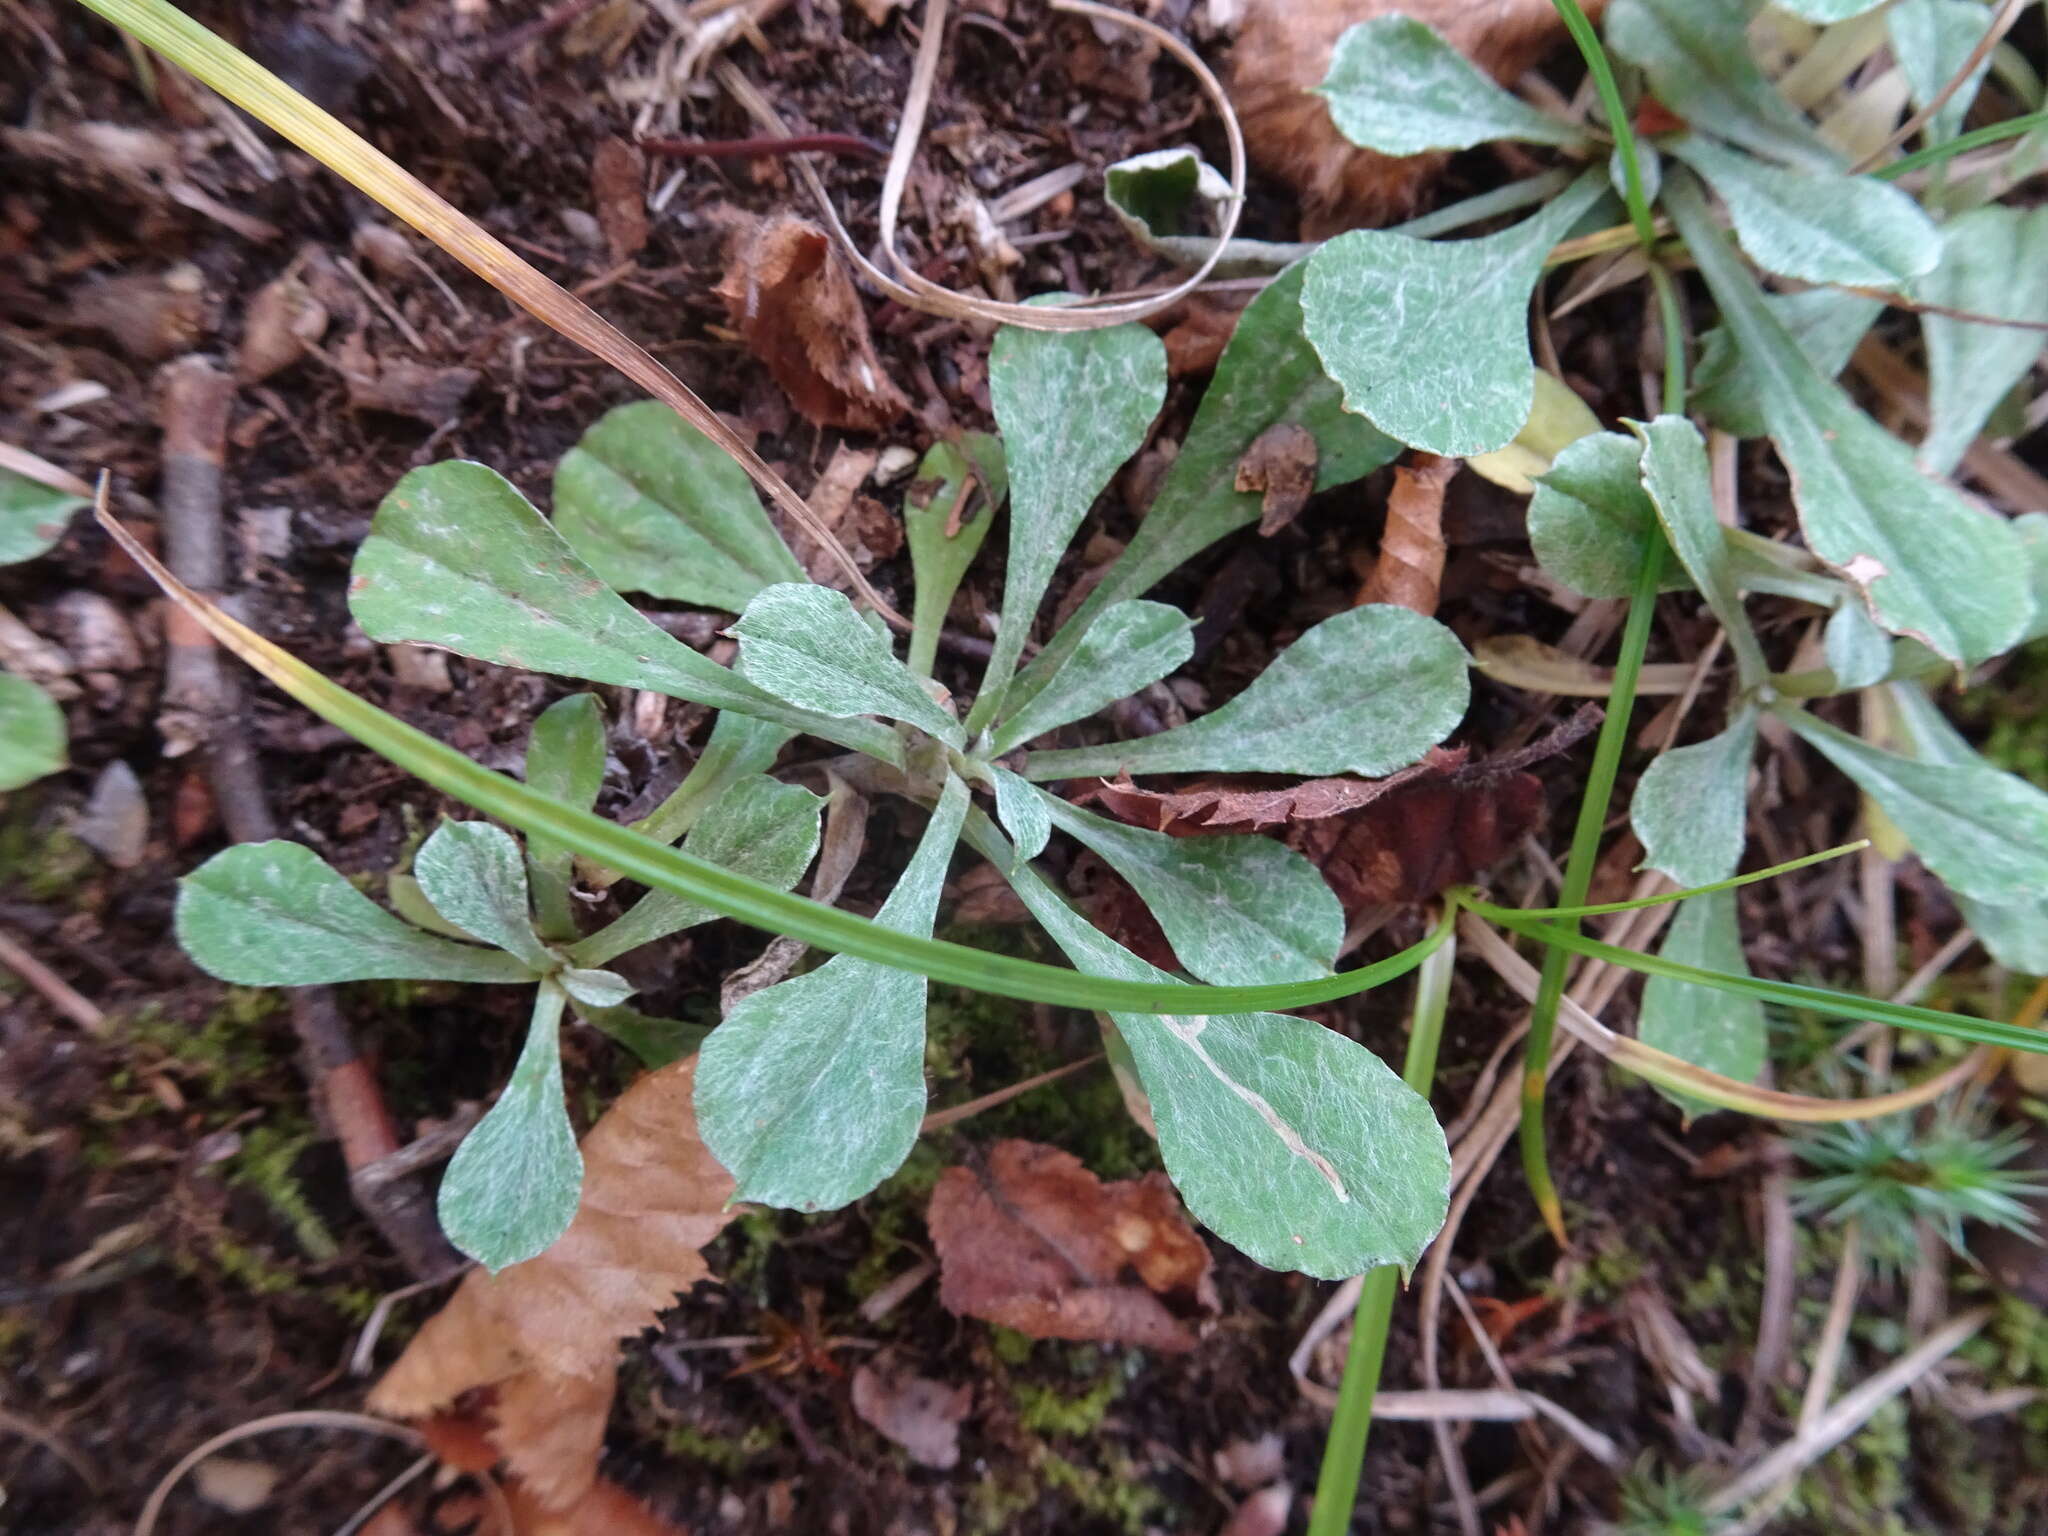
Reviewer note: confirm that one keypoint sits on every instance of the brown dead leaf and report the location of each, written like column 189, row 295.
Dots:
column 545, row 1334
column 1283, row 52
column 425, row 393
column 1410, row 568
column 618, row 175
column 1280, row 465
column 1036, row 1242
column 282, row 321
column 1244, row 805
column 1436, row 831
column 151, row 315
column 1200, row 330
column 921, row 1415
column 789, row 294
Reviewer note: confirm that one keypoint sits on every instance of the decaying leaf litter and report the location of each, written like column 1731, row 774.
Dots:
column 1072, row 1438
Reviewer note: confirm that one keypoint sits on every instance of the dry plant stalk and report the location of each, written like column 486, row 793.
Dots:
column 1410, row 569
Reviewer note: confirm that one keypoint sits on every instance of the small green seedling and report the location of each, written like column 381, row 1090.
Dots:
column 32, row 733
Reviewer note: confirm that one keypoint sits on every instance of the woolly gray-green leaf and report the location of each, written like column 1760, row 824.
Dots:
column 811, row 1091
column 512, row 1187
column 32, row 733
column 1237, row 909
column 1429, row 339
column 1395, row 86
column 1697, row 57
column 657, row 1042
column 1725, row 1032
column 1929, row 564
column 1857, row 651
column 804, row 643
column 1366, row 691
column 655, row 506
column 1268, row 376
column 1289, row 1141
column 1985, row 833
column 1168, row 201
column 756, row 827
column 1680, row 486
column 1021, row 808
column 565, row 754
column 2016, row 937
column 1825, row 11
column 1072, row 406
column 1590, row 520
column 475, row 876
column 739, row 745
column 1932, row 40
column 457, row 558
column 1994, row 261
column 1825, row 323
column 275, row 915
column 32, row 516
column 595, row 989
column 1818, row 226
column 1688, row 808
column 943, row 539
column 1130, row 646
column 2032, row 531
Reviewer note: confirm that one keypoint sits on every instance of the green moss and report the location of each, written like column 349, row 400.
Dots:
column 229, row 1049
column 1859, row 1488
column 1045, row 1410
column 265, row 1163
column 52, row 866
column 249, row 1267
column 728, row 1454
column 1010, row 1346
column 1115, row 1496
column 2013, row 716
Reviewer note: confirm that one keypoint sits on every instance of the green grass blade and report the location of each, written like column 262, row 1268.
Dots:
column 1488, row 910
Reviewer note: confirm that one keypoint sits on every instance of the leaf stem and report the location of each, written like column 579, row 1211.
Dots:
column 1597, row 64
column 1488, row 910
column 1344, row 1449
column 1671, row 319
column 1578, row 878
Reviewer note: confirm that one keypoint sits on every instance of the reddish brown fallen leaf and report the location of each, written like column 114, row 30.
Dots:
column 279, row 325
column 618, row 173
column 1410, row 568
column 544, row 1335
column 1280, row 465
column 1243, row 804
column 402, row 388
column 789, row 294
column 1283, row 52
column 1036, row 1242
column 921, row 1415
column 1199, row 332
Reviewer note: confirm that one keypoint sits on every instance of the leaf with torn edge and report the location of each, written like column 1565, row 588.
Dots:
column 1591, row 521
column 276, row 915
column 1039, row 1244
column 1129, row 647
column 756, row 827
column 1290, row 1142
column 1397, row 87
column 1929, row 564
column 654, row 506
column 1690, row 804
column 512, row 1186
column 1817, row 226
column 1072, row 406
column 32, row 516
column 1985, row 833
column 1725, row 1032
column 1429, row 339
column 1366, row 691
column 475, row 877
column 1238, row 909
column 811, row 1091
column 1994, row 261
column 1269, row 374
column 1168, row 200
column 547, row 1332
column 457, row 558
column 1697, row 57
column 945, row 536
column 33, row 735
column 804, row 643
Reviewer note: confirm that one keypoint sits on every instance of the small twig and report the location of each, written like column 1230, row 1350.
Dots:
column 552, row 19
column 791, row 144
column 56, row 1445
column 56, row 991
column 1994, row 33
column 938, row 1119
column 385, row 1495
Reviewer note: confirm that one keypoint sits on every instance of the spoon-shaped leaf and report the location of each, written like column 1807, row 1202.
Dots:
column 739, row 745
column 459, row 559
column 1680, row 486
column 474, row 875
column 1429, row 339
column 594, row 989
column 1235, row 908
column 1689, row 805
column 1366, row 691
column 1994, row 261
column 757, row 827
column 655, row 506
column 1590, row 520
column 804, row 643
column 32, row 733
column 1130, row 646
column 1857, row 651
column 1397, row 87
column 944, row 538
column 564, row 759
column 1818, row 226
column 276, row 915
column 1021, row 808
column 1289, row 1141
column 1072, row 405
column 511, row 1188
column 32, row 516
column 1725, row 1032
column 811, row 1091
column 1928, row 563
